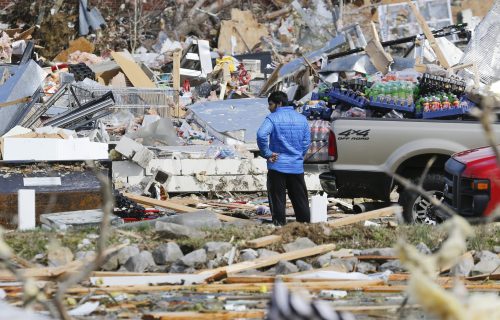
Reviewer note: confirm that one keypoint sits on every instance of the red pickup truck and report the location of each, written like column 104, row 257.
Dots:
column 472, row 182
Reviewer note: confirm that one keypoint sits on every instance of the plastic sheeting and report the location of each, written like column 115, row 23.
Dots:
column 231, row 121
column 484, row 47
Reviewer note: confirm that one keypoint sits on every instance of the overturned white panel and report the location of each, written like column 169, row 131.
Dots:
column 53, row 149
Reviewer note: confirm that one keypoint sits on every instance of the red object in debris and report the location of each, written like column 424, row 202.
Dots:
column 472, row 184
column 332, row 146
column 186, row 86
column 244, row 77
column 59, row 66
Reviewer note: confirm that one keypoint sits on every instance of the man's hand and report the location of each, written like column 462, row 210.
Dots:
column 273, row 157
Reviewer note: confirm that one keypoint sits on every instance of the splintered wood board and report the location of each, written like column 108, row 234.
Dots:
column 133, row 71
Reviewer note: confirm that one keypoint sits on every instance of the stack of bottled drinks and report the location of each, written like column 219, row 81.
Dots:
column 437, row 102
column 318, row 151
column 392, row 92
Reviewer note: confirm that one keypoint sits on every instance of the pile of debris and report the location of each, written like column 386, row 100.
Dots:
column 162, row 114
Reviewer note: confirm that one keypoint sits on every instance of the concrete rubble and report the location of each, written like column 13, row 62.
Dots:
column 137, row 138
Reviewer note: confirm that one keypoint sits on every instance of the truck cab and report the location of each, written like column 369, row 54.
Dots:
column 472, row 183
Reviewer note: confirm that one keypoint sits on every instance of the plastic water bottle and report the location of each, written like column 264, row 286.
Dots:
column 314, row 152
column 313, row 130
column 325, row 131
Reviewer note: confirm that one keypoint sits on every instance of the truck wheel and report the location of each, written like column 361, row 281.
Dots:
column 416, row 209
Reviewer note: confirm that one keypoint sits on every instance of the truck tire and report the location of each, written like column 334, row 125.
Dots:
column 416, row 209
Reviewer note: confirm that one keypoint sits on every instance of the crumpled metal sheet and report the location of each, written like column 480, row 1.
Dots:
column 361, row 63
column 296, row 65
column 484, row 47
column 25, row 80
column 222, row 119
column 299, row 64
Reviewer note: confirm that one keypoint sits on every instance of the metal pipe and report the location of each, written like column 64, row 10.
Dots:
column 369, row 206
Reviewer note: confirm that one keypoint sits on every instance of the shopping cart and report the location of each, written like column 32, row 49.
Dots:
column 138, row 101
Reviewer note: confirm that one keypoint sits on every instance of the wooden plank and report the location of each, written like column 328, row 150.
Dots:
column 262, row 242
column 399, row 277
column 176, row 77
column 449, row 285
column 359, row 309
column 190, row 315
column 365, row 258
column 430, row 37
column 161, row 203
column 384, row 212
column 133, row 71
column 230, row 205
column 170, row 278
column 348, row 285
column 487, row 276
column 269, row 261
column 177, row 207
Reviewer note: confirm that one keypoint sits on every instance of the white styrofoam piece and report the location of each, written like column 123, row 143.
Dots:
column 17, row 130
column 26, row 209
column 53, row 149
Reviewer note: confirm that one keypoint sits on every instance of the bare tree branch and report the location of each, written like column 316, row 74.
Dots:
column 108, row 205
column 426, row 171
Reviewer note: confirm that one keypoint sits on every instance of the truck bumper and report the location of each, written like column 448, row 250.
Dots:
column 356, row 184
column 328, row 183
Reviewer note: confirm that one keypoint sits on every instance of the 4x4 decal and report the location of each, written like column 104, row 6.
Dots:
column 352, row 134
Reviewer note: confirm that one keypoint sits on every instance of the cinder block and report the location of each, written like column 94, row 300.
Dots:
column 127, row 169
column 143, row 157
column 128, row 147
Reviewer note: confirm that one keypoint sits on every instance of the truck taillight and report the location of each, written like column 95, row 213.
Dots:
column 332, row 146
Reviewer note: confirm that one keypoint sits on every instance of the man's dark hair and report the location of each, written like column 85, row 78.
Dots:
column 278, row 97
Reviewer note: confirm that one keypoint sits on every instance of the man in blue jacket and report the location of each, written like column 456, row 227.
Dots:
column 283, row 139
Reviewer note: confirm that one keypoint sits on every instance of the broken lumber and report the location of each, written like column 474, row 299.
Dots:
column 189, row 315
column 471, row 287
column 487, row 276
column 161, row 203
column 175, row 206
column 351, row 285
column 263, row 242
column 379, row 213
column 133, row 71
column 269, row 261
column 171, row 278
column 430, row 37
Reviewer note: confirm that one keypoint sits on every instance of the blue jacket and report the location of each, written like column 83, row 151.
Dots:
column 289, row 136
